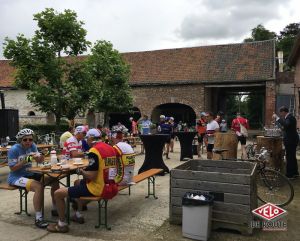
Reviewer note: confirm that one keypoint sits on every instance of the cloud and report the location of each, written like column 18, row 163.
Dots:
column 215, row 19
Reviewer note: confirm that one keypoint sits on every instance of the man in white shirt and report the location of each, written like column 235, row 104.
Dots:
column 73, row 146
column 211, row 127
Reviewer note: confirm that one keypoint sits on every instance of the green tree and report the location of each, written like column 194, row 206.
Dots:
column 286, row 38
column 57, row 80
column 112, row 93
column 260, row 33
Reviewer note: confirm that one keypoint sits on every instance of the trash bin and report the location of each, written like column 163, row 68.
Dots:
column 196, row 215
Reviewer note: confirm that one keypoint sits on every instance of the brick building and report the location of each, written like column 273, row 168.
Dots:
column 182, row 82
column 294, row 60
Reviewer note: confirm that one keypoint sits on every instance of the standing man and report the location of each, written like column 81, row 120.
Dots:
column 201, row 130
column 290, row 140
column 236, row 127
column 211, row 127
column 134, row 129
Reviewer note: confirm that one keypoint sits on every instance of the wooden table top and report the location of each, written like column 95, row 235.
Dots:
column 58, row 168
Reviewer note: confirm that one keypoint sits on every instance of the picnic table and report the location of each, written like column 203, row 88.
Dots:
column 58, row 172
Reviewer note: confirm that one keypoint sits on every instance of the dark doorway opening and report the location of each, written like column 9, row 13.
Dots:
column 180, row 112
column 248, row 100
column 114, row 118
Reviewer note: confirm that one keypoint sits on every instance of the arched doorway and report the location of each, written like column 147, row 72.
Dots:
column 180, row 112
column 114, row 118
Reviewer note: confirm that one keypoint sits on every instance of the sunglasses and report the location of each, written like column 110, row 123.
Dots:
column 27, row 139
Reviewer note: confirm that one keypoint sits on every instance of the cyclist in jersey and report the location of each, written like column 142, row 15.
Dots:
column 73, row 145
column 126, row 159
column 98, row 180
column 20, row 157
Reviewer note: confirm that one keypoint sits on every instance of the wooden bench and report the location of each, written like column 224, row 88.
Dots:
column 102, row 203
column 23, row 196
column 23, row 192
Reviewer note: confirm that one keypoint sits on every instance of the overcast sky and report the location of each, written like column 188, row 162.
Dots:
column 139, row 25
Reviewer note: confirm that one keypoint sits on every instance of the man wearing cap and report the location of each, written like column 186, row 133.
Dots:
column 98, row 180
column 73, row 145
column 126, row 159
column 91, row 136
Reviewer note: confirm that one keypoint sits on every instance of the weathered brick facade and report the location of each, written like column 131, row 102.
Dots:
column 270, row 101
column 195, row 77
column 149, row 97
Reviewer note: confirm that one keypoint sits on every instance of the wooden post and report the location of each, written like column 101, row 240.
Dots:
column 228, row 141
column 273, row 144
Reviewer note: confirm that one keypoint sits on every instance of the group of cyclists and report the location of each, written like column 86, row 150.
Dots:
column 109, row 165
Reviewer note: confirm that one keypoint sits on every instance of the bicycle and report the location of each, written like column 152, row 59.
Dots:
column 272, row 186
column 251, row 150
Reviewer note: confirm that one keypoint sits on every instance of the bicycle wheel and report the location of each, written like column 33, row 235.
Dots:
column 273, row 187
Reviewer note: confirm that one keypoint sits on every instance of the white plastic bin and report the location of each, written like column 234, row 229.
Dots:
column 196, row 216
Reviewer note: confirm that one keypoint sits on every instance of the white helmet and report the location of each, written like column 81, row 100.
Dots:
column 24, row 132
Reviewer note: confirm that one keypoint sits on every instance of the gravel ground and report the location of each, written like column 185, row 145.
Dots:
column 133, row 218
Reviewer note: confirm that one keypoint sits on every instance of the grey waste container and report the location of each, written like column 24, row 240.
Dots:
column 196, row 215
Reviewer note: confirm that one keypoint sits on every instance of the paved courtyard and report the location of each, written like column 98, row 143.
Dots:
column 131, row 217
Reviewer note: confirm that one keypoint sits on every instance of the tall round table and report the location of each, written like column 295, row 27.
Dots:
column 186, row 143
column 154, row 145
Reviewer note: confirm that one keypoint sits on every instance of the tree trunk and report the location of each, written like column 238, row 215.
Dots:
column 57, row 122
column 106, row 118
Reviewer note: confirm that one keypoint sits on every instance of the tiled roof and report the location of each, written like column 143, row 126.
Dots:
column 232, row 62
column 218, row 63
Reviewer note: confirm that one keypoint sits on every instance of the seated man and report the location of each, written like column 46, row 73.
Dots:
column 126, row 160
column 65, row 136
column 73, row 145
column 20, row 157
column 98, row 181
column 91, row 136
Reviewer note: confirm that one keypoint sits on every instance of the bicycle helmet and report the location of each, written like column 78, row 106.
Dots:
column 24, row 132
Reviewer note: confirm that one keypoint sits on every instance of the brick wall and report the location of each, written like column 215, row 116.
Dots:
column 270, row 101
column 147, row 98
column 297, row 85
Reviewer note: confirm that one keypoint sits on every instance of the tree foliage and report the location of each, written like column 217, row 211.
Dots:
column 260, row 33
column 286, row 38
column 58, row 79
column 56, row 84
column 112, row 94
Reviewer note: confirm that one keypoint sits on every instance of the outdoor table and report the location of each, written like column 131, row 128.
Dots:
column 154, row 145
column 186, row 143
column 56, row 172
